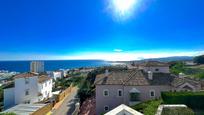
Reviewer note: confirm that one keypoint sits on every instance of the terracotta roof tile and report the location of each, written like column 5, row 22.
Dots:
column 134, row 77
column 43, row 78
column 24, row 75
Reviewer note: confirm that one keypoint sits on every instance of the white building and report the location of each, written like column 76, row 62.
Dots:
column 37, row 66
column 56, row 74
column 29, row 88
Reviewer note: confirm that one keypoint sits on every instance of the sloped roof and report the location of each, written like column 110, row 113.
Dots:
column 154, row 64
column 43, row 78
column 133, row 77
column 180, row 81
column 123, row 109
column 25, row 75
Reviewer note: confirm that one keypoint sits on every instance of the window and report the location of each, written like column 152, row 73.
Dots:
column 134, row 97
column 156, row 69
column 27, row 92
column 26, row 80
column 152, row 93
column 106, row 108
column 105, row 93
column 120, row 92
column 27, row 102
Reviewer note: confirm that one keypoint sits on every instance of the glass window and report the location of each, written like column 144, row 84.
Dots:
column 120, row 93
column 156, row 69
column 27, row 92
column 134, row 97
column 152, row 93
column 106, row 108
column 106, row 93
column 26, row 80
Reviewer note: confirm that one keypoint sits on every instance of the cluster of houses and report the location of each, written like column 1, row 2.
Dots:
column 30, row 89
column 144, row 82
column 114, row 92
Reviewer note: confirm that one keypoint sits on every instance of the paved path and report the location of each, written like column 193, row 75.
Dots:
column 68, row 106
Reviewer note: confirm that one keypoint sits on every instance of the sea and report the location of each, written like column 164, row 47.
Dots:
column 51, row 65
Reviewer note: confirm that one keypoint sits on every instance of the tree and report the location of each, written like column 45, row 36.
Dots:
column 177, row 68
column 199, row 59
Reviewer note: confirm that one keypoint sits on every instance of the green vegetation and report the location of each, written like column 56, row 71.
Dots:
column 199, row 59
column 7, row 114
column 64, row 83
column 193, row 100
column 149, row 107
column 177, row 68
column 191, row 71
column 177, row 111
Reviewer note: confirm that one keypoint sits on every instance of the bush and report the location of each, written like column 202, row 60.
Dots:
column 177, row 68
column 148, row 107
column 194, row 100
column 199, row 59
column 177, row 111
column 7, row 113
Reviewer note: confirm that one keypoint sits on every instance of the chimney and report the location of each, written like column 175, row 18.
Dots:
column 106, row 73
column 150, row 75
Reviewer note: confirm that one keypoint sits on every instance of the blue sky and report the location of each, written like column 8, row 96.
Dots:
column 100, row 29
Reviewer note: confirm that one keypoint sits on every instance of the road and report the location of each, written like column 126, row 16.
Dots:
column 68, row 106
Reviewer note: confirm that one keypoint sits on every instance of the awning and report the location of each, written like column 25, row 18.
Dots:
column 134, row 90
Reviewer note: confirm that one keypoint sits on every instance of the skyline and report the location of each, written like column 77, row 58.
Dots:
column 108, row 29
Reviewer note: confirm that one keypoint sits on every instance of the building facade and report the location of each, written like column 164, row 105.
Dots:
column 28, row 89
column 131, row 87
column 37, row 67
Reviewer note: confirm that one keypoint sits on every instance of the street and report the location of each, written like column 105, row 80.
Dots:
column 68, row 106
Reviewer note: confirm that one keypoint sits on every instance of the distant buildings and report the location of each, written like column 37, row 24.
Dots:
column 56, row 74
column 29, row 88
column 37, row 67
column 133, row 86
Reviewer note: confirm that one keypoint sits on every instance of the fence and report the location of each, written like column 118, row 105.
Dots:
column 63, row 94
column 43, row 110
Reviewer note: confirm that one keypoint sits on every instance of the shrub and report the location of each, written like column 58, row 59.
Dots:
column 7, row 113
column 177, row 111
column 148, row 107
column 194, row 100
column 199, row 59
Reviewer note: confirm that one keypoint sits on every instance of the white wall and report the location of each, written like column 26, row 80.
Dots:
column 57, row 74
column 45, row 89
column 9, row 98
column 21, row 87
column 160, row 69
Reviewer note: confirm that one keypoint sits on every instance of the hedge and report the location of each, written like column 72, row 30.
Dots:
column 177, row 111
column 194, row 100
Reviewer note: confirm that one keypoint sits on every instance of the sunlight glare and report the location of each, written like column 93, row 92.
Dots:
column 124, row 6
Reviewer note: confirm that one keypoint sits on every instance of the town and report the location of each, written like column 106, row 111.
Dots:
column 135, row 88
column 101, row 57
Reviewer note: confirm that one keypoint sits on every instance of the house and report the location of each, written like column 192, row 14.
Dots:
column 28, row 88
column 123, row 110
column 57, row 75
column 155, row 67
column 130, row 87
